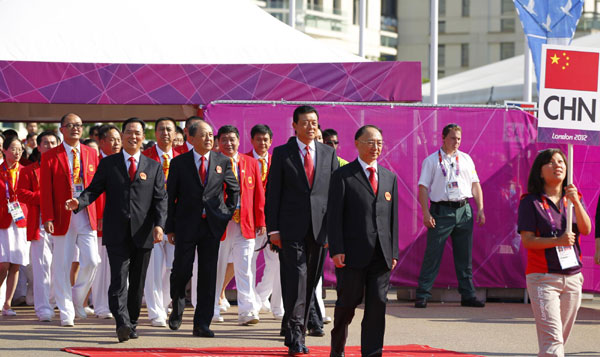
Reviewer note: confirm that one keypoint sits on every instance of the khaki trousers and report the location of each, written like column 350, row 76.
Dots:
column 555, row 300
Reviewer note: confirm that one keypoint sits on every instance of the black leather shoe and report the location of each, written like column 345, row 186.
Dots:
column 296, row 350
column 421, row 303
column 316, row 332
column 203, row 332
column 133, row 335
column 472, row 302
column 174, row 322
column 123, row 333
column 305, row 349
column 336, row 354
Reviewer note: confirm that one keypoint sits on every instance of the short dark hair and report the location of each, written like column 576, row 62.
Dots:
column 535, row 183
column 364, row 128
column 190, row 119
column 179, row 130
column 30, row 135
column 261, row 129
column 304, row 109
column 89, row 141
column 159, row 120
column 95, row 129
column 449, row 127
column 328, row 133
column 9, row 140
column 105, row 129
column 10, row 133
column 38, row 140
column 194, row 127
column 62, row 119
column 133, row 120
column 227, row 129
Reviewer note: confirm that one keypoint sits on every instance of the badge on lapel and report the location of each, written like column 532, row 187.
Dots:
column 250, row 182
column 91, row 168
column 143, row 176
column 219, row 169
column 388, row 196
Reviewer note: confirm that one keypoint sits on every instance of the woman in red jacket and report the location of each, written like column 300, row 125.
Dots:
column 14, row 247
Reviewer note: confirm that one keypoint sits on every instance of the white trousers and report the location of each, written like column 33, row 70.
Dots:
column 270, row 284
column 79, row 235
column 101, row 282
column 41, row 261
column 157, row 288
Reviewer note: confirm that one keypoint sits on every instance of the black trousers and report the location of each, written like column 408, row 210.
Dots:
column 207, row 247
column 127, row 263
column 372, row 283
column 301, row 267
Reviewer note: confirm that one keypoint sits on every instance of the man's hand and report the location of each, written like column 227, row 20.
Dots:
column 71, row 204
column 428, row 220
column 261, row 231
column 338, row 260
column 394, row 262
column 480, row 217
column 158, row 234
column 49, row 227
column 100, row 221
column 171, row 238
column 275, row 239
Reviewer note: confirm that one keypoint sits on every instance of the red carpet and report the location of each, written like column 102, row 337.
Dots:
column 318, row 351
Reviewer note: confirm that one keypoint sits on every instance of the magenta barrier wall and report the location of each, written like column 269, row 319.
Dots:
column 502, row 145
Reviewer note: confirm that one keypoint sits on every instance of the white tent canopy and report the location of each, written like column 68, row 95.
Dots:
column 492, row 83
column 154, row 32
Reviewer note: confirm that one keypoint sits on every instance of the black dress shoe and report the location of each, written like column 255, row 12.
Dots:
column 203, row 332
column 336, row 354
column 133, row 335
column 316, row 331
column 296, row 350
column 305, row 349
column 123, row 333
column 174, row 322
column 472, row 302
column 421, row 303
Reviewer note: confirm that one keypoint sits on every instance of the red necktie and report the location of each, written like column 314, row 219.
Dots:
column 132, row 168
column 309, row 167
column 202, row 170
column 372, row 179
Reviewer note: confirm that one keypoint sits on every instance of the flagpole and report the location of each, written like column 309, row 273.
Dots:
column 433, row 52
column 527, row 80
column 569, row 182
column 292, row 14
column 362, row 16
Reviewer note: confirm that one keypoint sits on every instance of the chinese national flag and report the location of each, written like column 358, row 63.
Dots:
column 572, row 70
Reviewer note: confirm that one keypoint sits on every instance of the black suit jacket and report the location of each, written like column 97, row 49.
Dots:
column 188, row 197
column 138, row 206
column 292, row 207
column 356, row 218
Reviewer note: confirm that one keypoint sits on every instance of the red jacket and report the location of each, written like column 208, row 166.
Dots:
column 252, row 197
column 152, row 153
column 28, row 191
column 5, row 217
column 251, row 154
column 55, row 188
column 100, row 202
column 178, row 150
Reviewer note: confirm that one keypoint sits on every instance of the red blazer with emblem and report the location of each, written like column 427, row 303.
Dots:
column 28, row 191
column 252, row 197
column 251, row 154
column 5, row 217
column 100, row 202
column 153, row 153
column 55, row 186
column 178, row 150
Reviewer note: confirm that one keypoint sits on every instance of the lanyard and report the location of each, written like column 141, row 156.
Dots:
column 547, row 208
column 442, row 166
column 7, row 180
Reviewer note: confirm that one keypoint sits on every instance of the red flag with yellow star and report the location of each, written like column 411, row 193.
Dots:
column 572, row 70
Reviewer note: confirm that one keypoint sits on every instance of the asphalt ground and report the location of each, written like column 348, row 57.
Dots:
column 499, row 329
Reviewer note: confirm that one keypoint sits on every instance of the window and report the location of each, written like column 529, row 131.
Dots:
column 442, row 8
column 387, row 41
column 466, row 8
column 464, row 55
column 507, row 50
column 507, row 25
column 441, row 74
column 507, row 7
column 337, row 7
column 441, row 26
column 441, row 55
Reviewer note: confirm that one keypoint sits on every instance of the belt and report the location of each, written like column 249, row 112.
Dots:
column 453, row 204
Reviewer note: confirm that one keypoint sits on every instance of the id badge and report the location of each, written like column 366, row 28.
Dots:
column 452, row 189
column 567, row 257
column 77, row 189
column 15, row 211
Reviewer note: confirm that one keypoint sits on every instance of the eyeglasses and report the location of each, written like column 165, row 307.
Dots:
column 71, row 126
column 373, row 143
column 332, row 142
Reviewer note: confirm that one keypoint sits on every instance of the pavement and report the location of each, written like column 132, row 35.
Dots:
column 499, row 329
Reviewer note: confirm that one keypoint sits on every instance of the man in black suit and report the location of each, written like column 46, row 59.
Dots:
column 134, row 216
column 198, row 215
column 296, row 207
column 362, row 227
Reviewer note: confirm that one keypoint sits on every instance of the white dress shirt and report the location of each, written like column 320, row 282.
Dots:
column 68, row 148
column 197, row 161
column 135, row 156
column 365, row 167
column 311, row 147
column 160, row 154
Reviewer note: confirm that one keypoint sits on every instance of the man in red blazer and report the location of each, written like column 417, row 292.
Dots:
column 157, row 288
column 248, row 220
column 28, row 192
column 270, row 285
column 186, row 145
column 110, row 143
column 65, row 172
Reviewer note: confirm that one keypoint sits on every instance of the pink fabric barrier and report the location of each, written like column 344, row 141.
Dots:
column 503, row 146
